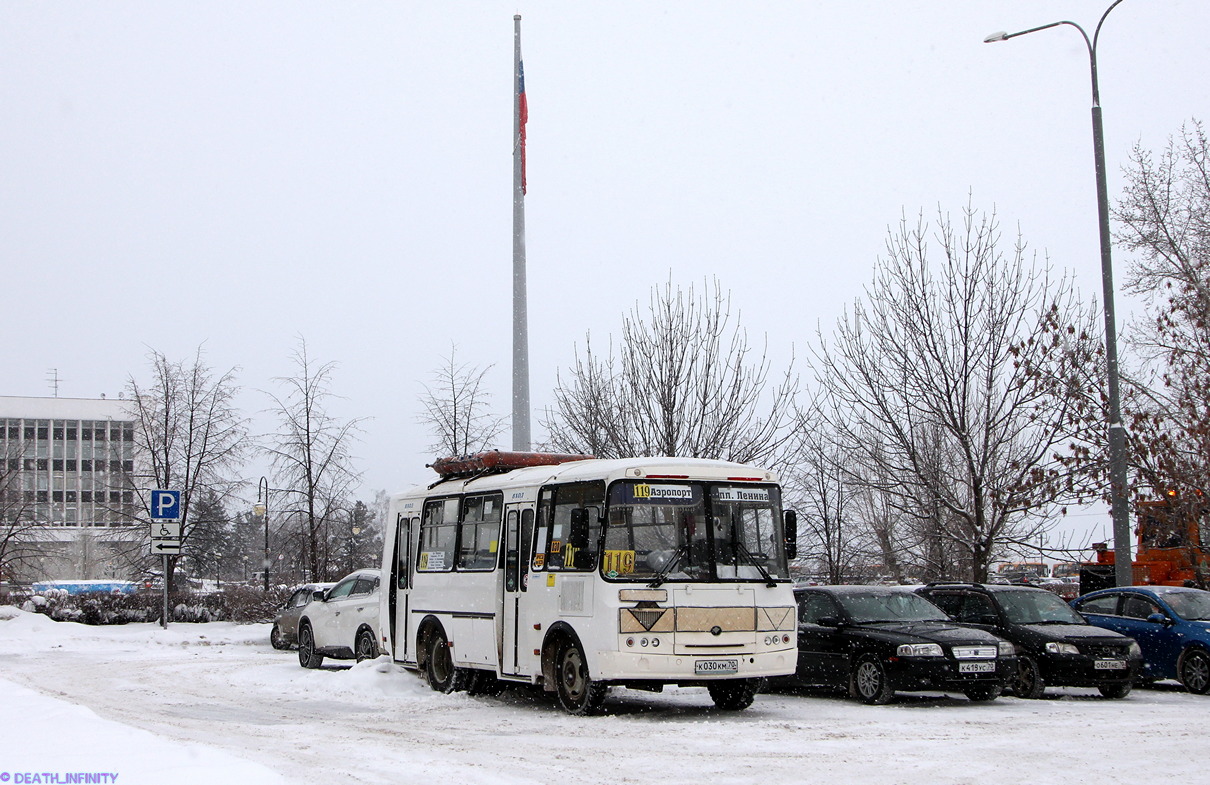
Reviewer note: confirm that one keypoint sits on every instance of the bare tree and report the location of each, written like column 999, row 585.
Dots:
column 19, row 542
column 685, row 382
column 457, row 409
column 189, row 434
column 310, row 455
column 956, row 389
column 1164, row 216
column 832, row 534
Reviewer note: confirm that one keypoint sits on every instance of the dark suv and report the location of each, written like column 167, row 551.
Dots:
column 1055, row 645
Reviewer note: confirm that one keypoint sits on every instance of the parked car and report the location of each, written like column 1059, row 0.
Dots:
column 284, row 634
column 1055, row 645
column 341, row 622
column 1170, row 623
column 876, row 640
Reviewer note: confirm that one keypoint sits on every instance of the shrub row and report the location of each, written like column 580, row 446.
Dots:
column 242, row 604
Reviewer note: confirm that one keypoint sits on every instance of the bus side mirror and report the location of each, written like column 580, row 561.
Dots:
column 790, row 532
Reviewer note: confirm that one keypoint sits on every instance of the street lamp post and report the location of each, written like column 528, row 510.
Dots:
column 262, row 509
column 1119, row 506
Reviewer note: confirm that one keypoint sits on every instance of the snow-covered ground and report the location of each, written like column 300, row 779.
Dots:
column 214, row 703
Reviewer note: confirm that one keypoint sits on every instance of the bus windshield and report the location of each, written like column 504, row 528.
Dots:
column 687, row 531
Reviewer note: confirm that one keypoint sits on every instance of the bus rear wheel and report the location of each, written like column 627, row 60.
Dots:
column 578, row 694
column 439, row 666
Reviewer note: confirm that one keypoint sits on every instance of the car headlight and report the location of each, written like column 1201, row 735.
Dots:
column 1061, row 648
column 1007, row 649
column 920, row 650
column 1134, row 650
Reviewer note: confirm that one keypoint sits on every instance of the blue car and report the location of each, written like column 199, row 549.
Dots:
column 1170, row 623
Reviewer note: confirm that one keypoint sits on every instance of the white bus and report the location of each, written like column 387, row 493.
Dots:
column 586, row 573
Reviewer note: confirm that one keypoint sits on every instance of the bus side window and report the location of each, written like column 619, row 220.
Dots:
column 575, row 526
column 541, row 543
column 511, row 553
column 527, row 544
column 479, row 533
column 438, row 533
column 403, row 559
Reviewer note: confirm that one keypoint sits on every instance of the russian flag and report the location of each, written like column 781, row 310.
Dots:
column 523, row 115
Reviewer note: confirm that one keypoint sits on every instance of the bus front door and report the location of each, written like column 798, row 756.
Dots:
column 518, row 540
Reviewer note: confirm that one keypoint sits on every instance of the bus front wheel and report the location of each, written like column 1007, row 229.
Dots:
column 734, row 694
column 578, row 694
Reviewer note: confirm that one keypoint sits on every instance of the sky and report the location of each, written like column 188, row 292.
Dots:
column 240, row 175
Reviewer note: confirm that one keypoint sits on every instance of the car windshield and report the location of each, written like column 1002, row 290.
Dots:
column 669, row 531
column 1190, row 605
column 869, row 607
column 1037, row 607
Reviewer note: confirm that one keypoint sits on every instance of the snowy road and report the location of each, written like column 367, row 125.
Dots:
column 233, row 704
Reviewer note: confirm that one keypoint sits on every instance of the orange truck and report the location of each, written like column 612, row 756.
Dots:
column 1170, row 548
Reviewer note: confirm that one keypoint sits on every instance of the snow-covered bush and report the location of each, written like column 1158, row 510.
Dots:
column 241, row 604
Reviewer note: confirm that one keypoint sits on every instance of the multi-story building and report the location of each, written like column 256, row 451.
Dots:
column 66, row 468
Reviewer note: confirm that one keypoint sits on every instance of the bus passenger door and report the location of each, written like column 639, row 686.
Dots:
column 400, row 590
column 518, row 539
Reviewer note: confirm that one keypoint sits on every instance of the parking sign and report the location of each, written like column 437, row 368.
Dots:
column 166, row 505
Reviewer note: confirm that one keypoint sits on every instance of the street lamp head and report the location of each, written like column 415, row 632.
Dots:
column 994, row 37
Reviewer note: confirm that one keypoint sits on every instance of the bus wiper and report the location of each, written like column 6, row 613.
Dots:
column 742, row 549
column 662, row 574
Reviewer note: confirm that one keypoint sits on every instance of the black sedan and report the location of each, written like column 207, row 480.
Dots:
column 1055, row 645
column 876, row 640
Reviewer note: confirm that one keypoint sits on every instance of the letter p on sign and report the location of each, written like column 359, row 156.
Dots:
column 166, row 505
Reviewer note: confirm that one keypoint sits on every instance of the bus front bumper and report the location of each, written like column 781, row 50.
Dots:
column 685, row 668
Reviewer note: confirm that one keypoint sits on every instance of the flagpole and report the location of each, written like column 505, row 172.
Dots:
column 521, row 441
